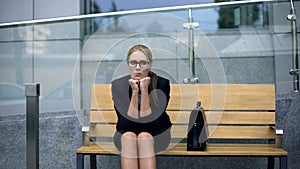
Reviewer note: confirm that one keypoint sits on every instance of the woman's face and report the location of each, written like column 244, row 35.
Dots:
column 139, row 65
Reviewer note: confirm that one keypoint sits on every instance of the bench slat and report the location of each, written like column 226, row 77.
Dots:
column 212, row 96
column 228, row 150
column 101, row 97
column 216, row 132
column 223, row 96
column 182, row 117
column 180, row 150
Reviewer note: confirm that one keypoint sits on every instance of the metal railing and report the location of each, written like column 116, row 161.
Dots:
column 162, row 9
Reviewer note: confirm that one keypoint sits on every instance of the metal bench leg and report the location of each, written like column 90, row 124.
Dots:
column 80, row 161
column 271, row 162
column 283, row 162
column 93, row 161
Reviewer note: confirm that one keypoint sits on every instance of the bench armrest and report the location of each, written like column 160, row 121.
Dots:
column 279, row 136
column 85, row 135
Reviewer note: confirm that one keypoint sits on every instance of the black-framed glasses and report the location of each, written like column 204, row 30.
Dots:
column 142, row 63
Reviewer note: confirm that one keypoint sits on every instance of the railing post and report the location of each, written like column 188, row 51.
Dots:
column 295, row 69
column 190, row 25
column 32, row 93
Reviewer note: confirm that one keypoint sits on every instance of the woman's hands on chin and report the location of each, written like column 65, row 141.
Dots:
column 142, row 84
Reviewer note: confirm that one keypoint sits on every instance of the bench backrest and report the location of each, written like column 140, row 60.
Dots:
column 233, row 111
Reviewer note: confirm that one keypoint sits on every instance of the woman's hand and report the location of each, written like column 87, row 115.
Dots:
column 134, row 85
column 144, row 84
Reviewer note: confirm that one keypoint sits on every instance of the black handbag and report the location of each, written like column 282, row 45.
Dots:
column 197, row 130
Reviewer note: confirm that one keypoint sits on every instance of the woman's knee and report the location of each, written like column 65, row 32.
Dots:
column 129, row 145
column 146, row 145
column 145, row 135
column 145, row 139
column 128, row 136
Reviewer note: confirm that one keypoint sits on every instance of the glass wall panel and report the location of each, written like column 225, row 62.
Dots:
column 16, row 68
column 66, row 57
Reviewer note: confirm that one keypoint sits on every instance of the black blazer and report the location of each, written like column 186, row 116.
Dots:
column 155, row 123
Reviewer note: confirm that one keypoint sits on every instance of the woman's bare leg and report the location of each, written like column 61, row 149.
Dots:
column 129, row 157
column 146, row 151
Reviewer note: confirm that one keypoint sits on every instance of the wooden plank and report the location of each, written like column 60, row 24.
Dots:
column 229, row 132
column 223, row 96
column 101, row 97
column 182, row 117
column 183, row 97
column 254, row 150
column 255, row 118
column 179, row 149
column 212, row 96
column 267, row 118
column 241, row 132
column 103, row 117
column 216, row 132
column 107, row 148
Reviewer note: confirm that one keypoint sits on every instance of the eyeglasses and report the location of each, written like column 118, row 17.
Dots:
column 142, row 63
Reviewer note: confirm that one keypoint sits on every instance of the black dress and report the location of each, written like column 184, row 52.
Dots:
column 157, row 124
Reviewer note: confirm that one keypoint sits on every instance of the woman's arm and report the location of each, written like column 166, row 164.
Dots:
column 145, row 101
column 133, row 111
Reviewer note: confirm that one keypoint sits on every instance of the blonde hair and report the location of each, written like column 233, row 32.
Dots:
column 142, row 48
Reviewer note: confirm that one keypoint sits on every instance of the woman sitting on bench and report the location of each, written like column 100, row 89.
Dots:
column 140, row 100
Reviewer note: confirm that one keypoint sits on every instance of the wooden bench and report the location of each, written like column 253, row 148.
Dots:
column 241, row 119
